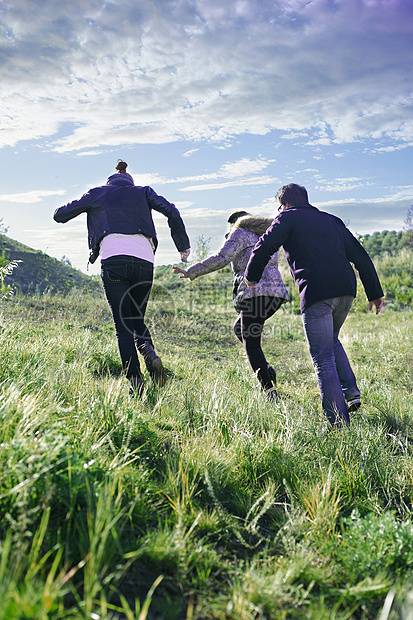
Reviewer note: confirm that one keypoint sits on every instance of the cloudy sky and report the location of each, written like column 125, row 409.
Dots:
column 214, row 103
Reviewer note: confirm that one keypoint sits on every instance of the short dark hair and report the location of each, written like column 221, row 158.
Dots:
column 237, row 214
column 292, row 193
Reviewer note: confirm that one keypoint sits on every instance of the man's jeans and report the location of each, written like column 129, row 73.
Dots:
column 127, row 282
column 322, row 322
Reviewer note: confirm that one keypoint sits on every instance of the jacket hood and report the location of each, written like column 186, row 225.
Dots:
column 119, row 179
column 254, row 224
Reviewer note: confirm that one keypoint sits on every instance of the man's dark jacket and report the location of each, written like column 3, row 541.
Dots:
column 122, row 207
column 319, row 249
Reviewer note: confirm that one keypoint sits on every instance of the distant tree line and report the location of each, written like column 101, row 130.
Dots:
column 389, row 241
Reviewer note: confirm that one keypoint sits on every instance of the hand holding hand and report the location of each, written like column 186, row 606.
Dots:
column 184, row 255
column 378, row 303
column 249, row 284
column 182, row 271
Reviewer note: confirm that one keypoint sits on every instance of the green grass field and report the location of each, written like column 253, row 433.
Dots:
column 202, row 500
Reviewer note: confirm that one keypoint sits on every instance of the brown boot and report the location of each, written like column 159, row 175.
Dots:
column 154, row 364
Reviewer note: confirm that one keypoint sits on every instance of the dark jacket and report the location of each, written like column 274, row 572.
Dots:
column 122, row 207
column 319, row 249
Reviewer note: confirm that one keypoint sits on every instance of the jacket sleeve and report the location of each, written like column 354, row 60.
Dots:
column 73, row 209
column 175, row 222
column 266, row 246
column 229, row 251
column 357, row 255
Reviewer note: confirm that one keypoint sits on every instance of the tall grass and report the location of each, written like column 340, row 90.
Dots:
column 200, row 500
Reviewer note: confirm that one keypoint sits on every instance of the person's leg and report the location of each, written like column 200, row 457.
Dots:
column 136, row 300
column 141, row 284
column 250, row 324
column 345, row 373
column 237, row 328
column 116, row 285
column 318, row 327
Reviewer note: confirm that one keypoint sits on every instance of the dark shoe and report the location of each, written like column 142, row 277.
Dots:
column 153, row 364
column 136, row 386
column 273, row 375
column 353, row 404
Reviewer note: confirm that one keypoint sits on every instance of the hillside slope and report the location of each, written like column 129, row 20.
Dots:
column 38, row 272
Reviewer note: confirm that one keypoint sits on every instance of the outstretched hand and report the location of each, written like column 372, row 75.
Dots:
column 181, row 271
column 378, row 303
column 249, row 284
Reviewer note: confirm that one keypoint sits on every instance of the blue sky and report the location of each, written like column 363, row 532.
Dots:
column 214, row 103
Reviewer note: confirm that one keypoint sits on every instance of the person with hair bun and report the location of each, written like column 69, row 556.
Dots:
column 122, row 232
column 121, row 167
column 254, row 307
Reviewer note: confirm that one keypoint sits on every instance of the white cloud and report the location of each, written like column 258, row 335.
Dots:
column 32, row 196
column 342, row 185
column 183, row 204
column 244, row 166
column 88, row 153
column 398, row 194
column 293, row 135
column 392, row 148
column 236, row 183
column 150, row 178
column 157, row 72
column 231, row 170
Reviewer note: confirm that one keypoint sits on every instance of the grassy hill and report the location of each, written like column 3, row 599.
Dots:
column 37, row 272
column 200, row 501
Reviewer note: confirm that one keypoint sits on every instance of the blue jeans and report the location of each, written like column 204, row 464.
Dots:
column 127, row 282
column 322, row 322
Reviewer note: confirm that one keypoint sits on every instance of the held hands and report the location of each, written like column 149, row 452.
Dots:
column 378, row 303
column 184, row 255
column 184, row 259
column 249, row 284
column 182, row 271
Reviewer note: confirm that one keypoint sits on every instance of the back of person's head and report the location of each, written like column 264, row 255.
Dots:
column 121, row 168
column 293, row 194
column 236, row 215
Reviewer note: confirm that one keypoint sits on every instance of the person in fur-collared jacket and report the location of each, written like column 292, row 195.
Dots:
column 254, row 306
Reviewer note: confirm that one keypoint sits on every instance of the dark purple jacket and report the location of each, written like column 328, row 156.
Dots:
column 122, row 207
column 319, row 249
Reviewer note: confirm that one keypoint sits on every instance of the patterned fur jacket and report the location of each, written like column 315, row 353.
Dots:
column 237, row 249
